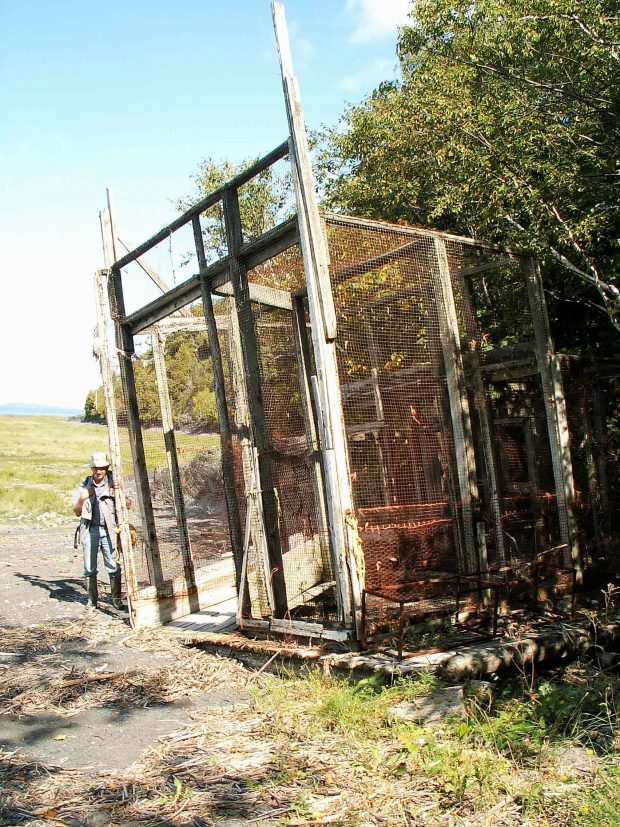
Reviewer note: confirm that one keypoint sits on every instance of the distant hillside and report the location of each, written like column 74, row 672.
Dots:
column 23, row 409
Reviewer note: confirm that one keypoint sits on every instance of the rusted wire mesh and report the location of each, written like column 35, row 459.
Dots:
column 446, row 421
column 592, row 409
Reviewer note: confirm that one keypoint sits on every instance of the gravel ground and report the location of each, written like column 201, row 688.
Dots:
column 49, row 636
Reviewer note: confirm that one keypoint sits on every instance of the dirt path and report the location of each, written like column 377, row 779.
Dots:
column 83, row 694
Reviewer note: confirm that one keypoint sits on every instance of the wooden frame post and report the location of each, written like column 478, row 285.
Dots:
column 555, row 407
column 345, row 539
column 158, row 344
column 459, row 407
column 264, row 483
column 107, row 380
column 228, row 467
column 126, row 351
column 302, row 353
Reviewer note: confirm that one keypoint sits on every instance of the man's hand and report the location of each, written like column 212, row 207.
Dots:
column 84, row 495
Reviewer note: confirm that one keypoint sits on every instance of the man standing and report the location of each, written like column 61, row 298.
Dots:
column 94, row 504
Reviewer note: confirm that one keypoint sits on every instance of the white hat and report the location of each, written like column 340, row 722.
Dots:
column 99, row 460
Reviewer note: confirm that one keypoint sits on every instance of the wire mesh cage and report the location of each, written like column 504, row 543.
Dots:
column 452, row 436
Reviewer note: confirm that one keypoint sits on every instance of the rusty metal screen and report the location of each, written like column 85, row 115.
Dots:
column 591, row 389
column 420, row 521
column 448, row 431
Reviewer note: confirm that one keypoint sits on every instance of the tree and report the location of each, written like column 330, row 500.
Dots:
column 263, row 202
column 94, row 407
column 504, row 126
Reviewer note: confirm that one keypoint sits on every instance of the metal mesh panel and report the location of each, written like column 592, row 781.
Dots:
column 183, row 467
column 395, row 403
column 524, row 473
column 511, row 435
column 490, row 292
column 284, row 271
column 592, row 412
column 294, row 469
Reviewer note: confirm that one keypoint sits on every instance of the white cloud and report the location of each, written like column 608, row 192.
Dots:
column 376, row 19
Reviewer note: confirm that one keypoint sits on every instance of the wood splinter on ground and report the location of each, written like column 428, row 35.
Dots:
column 104, row 676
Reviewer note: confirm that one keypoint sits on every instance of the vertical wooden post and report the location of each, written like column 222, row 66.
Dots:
column 459, row 405
column 107, row 379
column 126, row 350
column 380, row 417
column 345, row 539
column 239, row 280
column 553, row 393
column 489, row 458
column 302, row 353
column 158, row 340
column 228, row 469
column 254, row 510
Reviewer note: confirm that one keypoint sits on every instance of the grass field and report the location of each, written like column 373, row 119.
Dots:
column 43, row 459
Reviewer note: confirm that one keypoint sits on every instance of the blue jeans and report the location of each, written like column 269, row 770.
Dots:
column 97, row 538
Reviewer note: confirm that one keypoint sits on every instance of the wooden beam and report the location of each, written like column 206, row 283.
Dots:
column 158, row 340
column 459, row 405
column 253, row 253
column 102, row 351
column 304, row 364
column 343, row 529
column 557, row 422
column 239, row 280
column 261, row 597
column 126, row 350
column 420, row 232
column 260, row 294
column 219, row 383
column 204, row 204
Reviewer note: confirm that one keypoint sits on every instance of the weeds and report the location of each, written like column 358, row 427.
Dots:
column 43, row 458
column 507, row 758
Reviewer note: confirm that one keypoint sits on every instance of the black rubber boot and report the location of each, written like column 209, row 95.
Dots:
column 115, row 591
column 91, row 591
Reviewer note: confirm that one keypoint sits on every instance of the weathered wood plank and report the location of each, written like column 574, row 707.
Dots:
column 420, row 232
column 302, row 352
column 239, row 279
column 228, row 475
column 261, row 294
column 557, row 422
column 159, row 361
column 107, row 379
column 459, row 404
column 345, row 541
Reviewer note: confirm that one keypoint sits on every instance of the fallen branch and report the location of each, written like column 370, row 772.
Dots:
column 104, row 676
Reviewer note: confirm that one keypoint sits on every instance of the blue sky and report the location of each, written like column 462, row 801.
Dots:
column 133, row 95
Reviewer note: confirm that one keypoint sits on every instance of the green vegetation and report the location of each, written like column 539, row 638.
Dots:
column 504, row 127
column 42, row 459
column 510, row 758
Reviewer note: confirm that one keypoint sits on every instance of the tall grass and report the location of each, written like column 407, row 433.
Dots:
column 42, row 459
column 506, row 759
